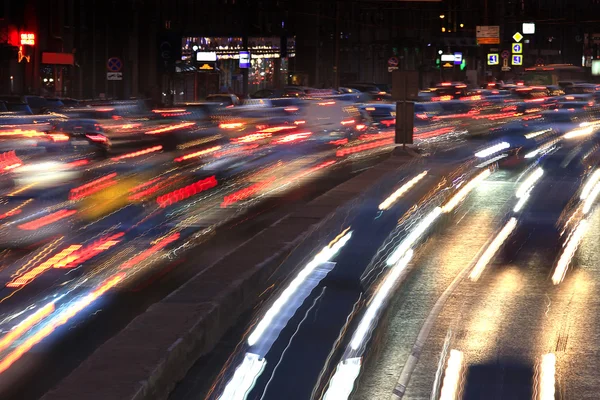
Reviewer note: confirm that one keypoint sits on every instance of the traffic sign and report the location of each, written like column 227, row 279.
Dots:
column 114, row 64
column 114, row 76
column 517, row 36
column 505, row 66
column 493, row 59
column 517, row 48
column 505, row 54
column 393, row 62
column 517, row 59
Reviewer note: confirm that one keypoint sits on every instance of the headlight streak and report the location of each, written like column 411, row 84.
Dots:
column 521, row 202
column 414, row 235
column 62, row 317
column 589, row 201
column 569, row 251
column 529, row 182
column 381, row 296
column 8, row 339
column 494, row 246
column 465, row 190
column 577, row 133
column 387, row 203
column 324, row 255
column 492, row 160
column 536, row 134
column 547, row 377
column 244, row 377
column 546, row 148
column 590, row 184
column 492, row 150
column 450, row 385
column 342, row 382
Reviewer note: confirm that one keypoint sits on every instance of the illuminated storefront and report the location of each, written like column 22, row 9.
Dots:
column 267, row 68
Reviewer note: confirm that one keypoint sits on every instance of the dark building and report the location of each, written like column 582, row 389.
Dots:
column 310, row 42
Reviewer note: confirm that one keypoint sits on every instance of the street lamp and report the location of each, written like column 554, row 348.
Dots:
column 462, row 25
column 443, row 29
column 442, row 16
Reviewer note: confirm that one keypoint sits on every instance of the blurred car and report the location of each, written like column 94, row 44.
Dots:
column 19, row 108
column 37, row 104
column 85, row 135
column 223, row 99
column 449, row 91
column 289, row 91
column 381, row 116
column 365, row 87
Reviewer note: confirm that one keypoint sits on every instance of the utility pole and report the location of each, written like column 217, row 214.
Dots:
column 338, row 21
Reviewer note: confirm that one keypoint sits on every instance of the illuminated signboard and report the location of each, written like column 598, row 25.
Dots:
column 27, row 39
column 448, row 58
column 206, row 56
column 244, row 59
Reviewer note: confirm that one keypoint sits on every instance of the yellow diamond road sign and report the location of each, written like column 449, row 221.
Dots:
column 517, row 36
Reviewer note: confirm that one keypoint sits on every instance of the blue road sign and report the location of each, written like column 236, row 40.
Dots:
column 493, row 59
column 517, row 59
column 114, row 64
column 517, row 48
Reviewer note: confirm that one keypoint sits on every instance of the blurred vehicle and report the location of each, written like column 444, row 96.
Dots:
column 381, row 116
column 68, row 102
column 530, row 92
column 193, row 111
column 448, row 91
column 37, row 104
column 19, row 108
column 223, row 99
column 554, row 90
column 348, row 90
column 85, row 135
column 371, row 88
column 554, row 74
column 289, row 91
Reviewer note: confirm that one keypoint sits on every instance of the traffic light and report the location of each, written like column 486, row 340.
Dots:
column 463, row 64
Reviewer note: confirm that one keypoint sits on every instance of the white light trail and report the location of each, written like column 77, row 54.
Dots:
column 465, row 190
column 569, row 252
column 343, row 379
column 589, row 185
column 380, row 297
column 579, row 132
column 323, row 256
column 244, row 378
column 414, row 235
column 529, row 182
column 450, row 385
column 536, row 134
column 547, row 377
column 387, row 203
column 521, row 202
column 489, row 253
column 589, row 201
column 492, row 150
column 491, row 161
